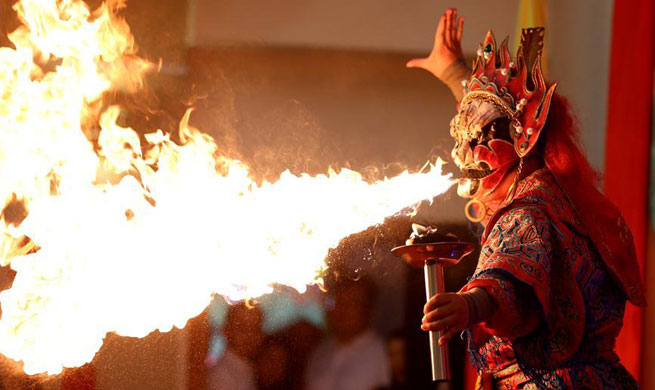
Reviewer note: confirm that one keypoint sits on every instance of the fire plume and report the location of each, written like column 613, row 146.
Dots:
column 129, row 235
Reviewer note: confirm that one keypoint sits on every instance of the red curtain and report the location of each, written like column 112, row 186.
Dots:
column 628, row 142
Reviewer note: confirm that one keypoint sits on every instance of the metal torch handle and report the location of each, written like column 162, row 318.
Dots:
column 434, row 284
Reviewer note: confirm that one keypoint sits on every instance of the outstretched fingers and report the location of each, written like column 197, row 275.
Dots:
column 439, row 35
column 446, row 47
column 417, row 63
column 460, row 29
column 448, row 26
column 454, row 27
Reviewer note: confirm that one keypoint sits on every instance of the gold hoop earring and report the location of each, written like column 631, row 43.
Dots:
column 480, row 216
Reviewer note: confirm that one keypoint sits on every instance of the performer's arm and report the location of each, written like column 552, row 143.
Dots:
column 511, row 284
column 453, row 76
column 446, row 61
column 516, row 314
column 516, row 310
column 515, row 270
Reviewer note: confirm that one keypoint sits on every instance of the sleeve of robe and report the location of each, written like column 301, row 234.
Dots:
column 520, row 269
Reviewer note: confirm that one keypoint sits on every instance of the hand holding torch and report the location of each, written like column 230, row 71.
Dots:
column 433, row 252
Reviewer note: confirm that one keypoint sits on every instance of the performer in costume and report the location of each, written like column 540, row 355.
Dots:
column 546, row 302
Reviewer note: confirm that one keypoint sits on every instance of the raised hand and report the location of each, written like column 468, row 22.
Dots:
column 447, row 45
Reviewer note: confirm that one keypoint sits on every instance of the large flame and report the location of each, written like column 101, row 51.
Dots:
column 113, row 235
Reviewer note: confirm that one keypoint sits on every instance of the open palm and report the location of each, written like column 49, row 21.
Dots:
column 447, row 45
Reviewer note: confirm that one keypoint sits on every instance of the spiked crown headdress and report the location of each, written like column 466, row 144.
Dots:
column 515, row 86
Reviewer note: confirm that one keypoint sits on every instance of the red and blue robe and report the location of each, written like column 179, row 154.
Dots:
column 559, row 308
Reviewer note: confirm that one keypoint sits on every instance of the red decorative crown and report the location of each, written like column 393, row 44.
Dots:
column 515, row 86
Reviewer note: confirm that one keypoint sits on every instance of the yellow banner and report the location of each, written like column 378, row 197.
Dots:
column 532, row 13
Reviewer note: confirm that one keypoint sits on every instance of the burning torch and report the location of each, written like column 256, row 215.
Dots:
column 432, row 251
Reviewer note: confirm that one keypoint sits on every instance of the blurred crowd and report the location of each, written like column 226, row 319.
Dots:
column 346, row 354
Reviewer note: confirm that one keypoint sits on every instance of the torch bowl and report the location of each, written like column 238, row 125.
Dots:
column 445, row 253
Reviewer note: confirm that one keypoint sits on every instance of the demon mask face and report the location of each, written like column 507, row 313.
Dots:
column 502, row 113
column 483, row 150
